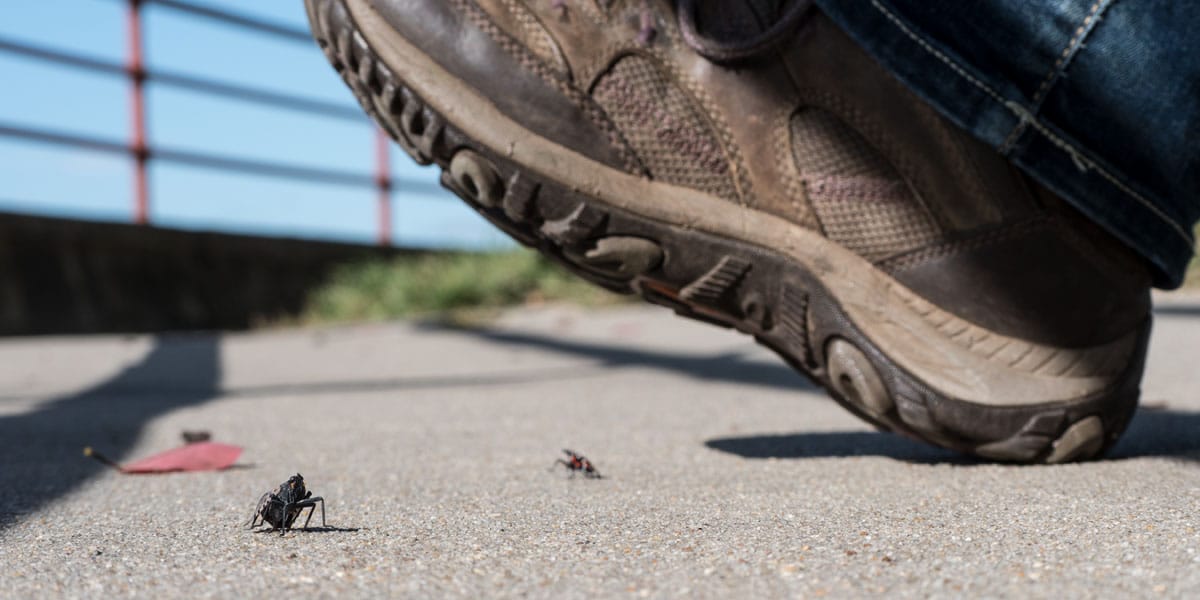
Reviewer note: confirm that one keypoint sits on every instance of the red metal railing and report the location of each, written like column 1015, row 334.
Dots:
column 142, row 152
column 137, row 103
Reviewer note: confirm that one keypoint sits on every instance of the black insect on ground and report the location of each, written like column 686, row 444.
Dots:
column 281, row 508
column 578, row 463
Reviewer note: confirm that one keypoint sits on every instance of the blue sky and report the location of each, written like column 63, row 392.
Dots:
column 54, row 180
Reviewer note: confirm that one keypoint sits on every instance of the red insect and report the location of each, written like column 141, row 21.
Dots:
column 578, row 463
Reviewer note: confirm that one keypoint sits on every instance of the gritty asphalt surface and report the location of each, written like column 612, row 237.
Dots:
column 726, row 474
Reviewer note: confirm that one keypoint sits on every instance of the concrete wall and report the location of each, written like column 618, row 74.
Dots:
column 64, row 276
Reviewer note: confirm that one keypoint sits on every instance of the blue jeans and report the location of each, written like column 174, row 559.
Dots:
column 1099, row 100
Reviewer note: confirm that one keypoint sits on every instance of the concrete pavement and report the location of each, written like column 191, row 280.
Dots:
column 725, row 472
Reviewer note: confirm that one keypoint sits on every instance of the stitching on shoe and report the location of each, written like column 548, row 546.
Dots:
column 789, row 169
column 918, row 257
column 1081, row 160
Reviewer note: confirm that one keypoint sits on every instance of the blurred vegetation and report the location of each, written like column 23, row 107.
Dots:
column 459, row 287
column 462, row 287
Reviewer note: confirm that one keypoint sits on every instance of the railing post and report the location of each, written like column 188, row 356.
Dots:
column 383, row 182
column 137, row 99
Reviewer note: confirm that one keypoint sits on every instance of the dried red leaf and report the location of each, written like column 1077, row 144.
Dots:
column 201, row 456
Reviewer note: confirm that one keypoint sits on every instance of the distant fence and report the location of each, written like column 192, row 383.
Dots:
column 141, row 151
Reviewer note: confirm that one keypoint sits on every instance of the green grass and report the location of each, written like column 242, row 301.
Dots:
column 461, row 288
column 455, row 287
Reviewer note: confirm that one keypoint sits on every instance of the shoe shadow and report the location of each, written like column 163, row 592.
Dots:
column 41, row 450
column 1160, row 432
column 836, row 444
column 732, row 367
column 1153, row 433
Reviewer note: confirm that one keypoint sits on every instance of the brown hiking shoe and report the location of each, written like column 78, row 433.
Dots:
column 746, row 164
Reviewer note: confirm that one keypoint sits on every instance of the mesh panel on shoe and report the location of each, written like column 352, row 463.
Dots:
column 861, row 202
column 665, row 129
column 518, row 21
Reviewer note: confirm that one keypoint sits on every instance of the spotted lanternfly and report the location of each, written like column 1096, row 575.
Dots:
column 578, row 463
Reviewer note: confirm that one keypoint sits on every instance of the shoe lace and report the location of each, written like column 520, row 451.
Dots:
column 711, row 48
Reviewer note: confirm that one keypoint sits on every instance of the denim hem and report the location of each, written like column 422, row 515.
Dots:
column 995, row 111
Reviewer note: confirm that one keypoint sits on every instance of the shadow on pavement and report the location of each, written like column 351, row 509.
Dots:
column 41, row 451
column 301, row 530
column 1161, row 432
column 835, row 444
column 457, row 380
column 733, row 367
column 357, row 386
column 1178, row 310
column 41, row 459
column 1153, row 433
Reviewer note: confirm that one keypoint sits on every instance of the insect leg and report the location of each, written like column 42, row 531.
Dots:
column 258, row 511
column 311, row 504
column 287, row 518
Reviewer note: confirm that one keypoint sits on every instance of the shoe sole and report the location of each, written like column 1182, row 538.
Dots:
column 827, row 312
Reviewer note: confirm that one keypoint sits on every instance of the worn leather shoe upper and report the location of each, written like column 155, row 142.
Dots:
column 745, row 163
